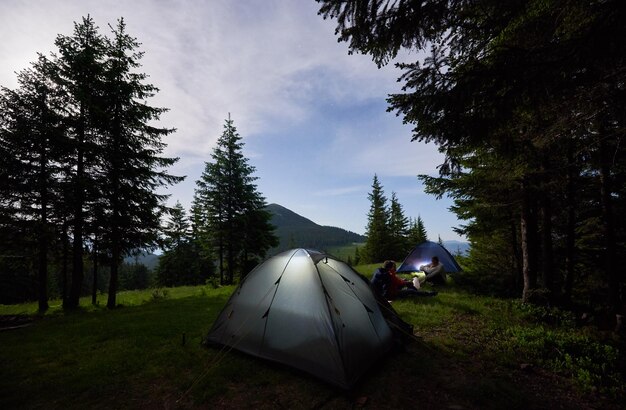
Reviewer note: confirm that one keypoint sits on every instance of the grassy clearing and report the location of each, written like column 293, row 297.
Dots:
column 101, row 357
column 474, row 352
column 124, row 298
column 367, row 270
column 345, row 251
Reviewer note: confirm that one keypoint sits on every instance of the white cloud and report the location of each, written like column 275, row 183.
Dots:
column 273, row 64
column 265, row 62
column 382, row 147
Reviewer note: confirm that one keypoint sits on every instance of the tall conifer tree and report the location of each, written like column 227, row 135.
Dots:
column 32, row 133
column 80, row 136
column 177, row 229
column 181, row 262
column 398, row 229
column 377, row 247
column 235, row 222
column 131, row 147
column 79, row 71
column 417, row 232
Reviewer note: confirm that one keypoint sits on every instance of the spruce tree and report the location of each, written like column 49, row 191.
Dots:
column 398, row 229
column 257, row 237
column 131, row 148
column 31, row 134
column 79, row 71
column 181, row 262
column 236, row 226
column 377, row 246
column 82, row 157
column 177, row 229
column 417, row 232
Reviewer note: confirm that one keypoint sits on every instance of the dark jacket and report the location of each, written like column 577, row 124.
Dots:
column 381, row 283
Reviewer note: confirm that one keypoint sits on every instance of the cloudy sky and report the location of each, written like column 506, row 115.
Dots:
column 313, row 118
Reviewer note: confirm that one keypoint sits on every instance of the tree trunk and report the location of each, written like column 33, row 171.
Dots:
column 43, row 233
column 547, row 260
column 65, row 257
column 115, row 252
column 518, row 276
column 570, row 228
column 221, row 251
column 94, row 290
column 115, row 227
column 42, row 274
column 77, row 245
column 77, row 266
column 231, row 260
column 528, row 229
column 111, row 301
column 607, row 219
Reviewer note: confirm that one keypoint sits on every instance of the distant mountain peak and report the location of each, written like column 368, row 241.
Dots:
column 296, row 231
column 287, row 215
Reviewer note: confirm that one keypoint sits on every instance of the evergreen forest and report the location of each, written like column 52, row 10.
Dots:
column 525, row 100
column 82, row 171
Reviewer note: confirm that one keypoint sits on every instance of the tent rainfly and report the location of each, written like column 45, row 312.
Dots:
column 423, row 253
column 310, row 311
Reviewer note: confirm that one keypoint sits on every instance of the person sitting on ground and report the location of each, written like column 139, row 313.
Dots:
column 387, row 284
column 435, row 272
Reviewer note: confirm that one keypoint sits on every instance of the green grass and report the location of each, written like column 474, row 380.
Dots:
column 124, row 298
column 509, row 332
column 367, row 270
column 344, row 251
column 94, row 355
column 134, row 357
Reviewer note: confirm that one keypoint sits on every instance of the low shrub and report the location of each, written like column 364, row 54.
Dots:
column 160, row 294
column 590, row 363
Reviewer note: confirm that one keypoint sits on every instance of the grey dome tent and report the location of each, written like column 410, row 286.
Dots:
column 310, row 311
column 423, row 253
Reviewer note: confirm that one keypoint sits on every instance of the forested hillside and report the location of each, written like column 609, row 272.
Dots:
column 295, row 231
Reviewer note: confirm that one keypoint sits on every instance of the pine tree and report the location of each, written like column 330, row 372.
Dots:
column 235, row 223
column 181, row 262
column 131, row 147
column 417, row 232
column 377, row 246
column 200, row 236
column 79, row 71
column 398, row 228
column 80, row 136
column 177, row 229
column 31, row 135
column 257, row 237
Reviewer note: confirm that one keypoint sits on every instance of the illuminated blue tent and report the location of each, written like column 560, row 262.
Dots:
column 422, row 255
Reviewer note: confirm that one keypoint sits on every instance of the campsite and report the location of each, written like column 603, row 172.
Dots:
column 313, row 204
column 471, row 352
